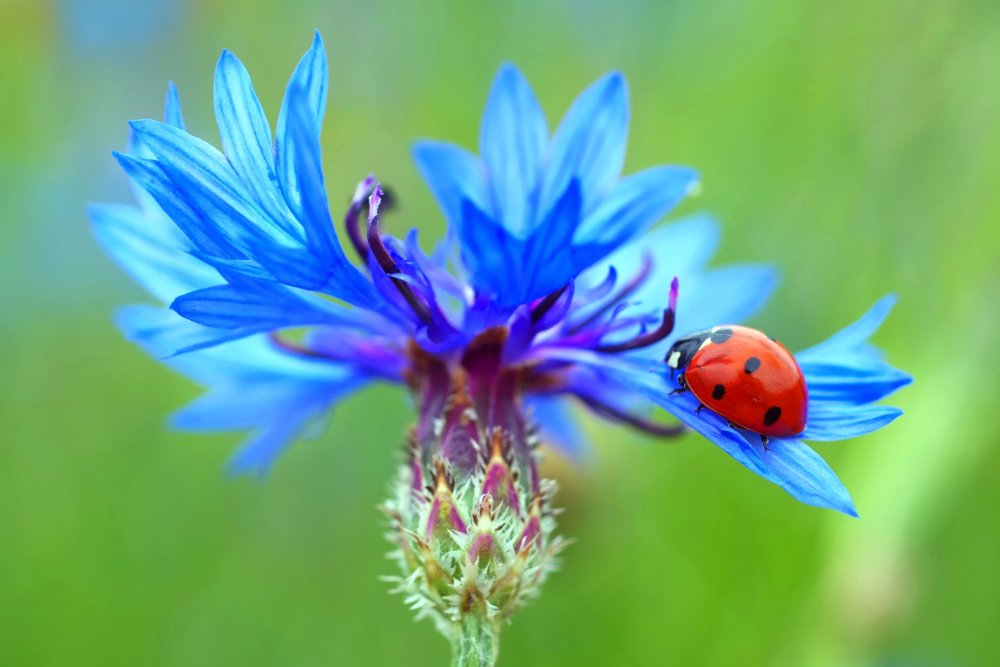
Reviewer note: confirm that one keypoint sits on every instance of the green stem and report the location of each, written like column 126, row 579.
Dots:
column 476, row 642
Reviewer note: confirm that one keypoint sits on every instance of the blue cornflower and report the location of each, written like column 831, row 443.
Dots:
column 549, row 287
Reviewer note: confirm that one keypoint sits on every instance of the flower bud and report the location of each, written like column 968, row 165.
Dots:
column 470, row 515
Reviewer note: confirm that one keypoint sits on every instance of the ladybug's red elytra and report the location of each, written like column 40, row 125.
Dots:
column 745, row 377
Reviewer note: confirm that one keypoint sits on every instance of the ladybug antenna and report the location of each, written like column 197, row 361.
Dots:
column 652, row 337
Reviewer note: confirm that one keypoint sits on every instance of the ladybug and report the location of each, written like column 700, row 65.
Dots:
column 745, row 377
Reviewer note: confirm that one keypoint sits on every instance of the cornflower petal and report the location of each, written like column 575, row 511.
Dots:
column 172, row 108
column 344, row 280
column 512, row 140
column 559, row 425
column 149, row 175
column 246, row 138
column 728, row 294
column 309, row 79
column 837, row 424
column 165, row 334
column 209, row 184
column 635, row 202
column 457, row 180
column 589, row 145
column 256, row 305
column 852, row 340
column 152, row 250
column 255, row 386
column 560, row 201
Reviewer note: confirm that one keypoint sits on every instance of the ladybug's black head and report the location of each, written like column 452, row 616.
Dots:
column 680, row 353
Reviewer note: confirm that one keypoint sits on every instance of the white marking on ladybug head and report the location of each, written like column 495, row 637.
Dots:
column 706, row 342
column 674, row 359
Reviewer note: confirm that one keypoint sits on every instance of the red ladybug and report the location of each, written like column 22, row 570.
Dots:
column 745, row 377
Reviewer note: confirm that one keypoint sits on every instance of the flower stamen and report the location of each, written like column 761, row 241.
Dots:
column 631, row 286
column 386, row 261
column 545, row 305
column 652, row 337
column 353, row 216
column 296, row 348
column 636, row 422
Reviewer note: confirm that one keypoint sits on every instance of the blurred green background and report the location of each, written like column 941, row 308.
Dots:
column 854, row 144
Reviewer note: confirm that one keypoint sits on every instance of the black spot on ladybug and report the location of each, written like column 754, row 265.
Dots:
column 718, row 392
column 721, row 335
column 772, row 415
column 752, row 364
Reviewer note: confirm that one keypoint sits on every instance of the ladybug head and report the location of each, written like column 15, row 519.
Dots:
column 680, row 353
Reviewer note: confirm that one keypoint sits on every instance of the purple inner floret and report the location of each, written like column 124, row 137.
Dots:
column 551, row 284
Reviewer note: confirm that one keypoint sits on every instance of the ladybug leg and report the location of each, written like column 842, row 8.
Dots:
column 683, row 385
column 701, row 406
column 764, row 441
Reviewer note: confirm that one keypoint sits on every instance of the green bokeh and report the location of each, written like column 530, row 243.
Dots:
column 854, row 144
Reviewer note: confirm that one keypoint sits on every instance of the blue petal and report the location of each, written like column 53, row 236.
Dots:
column 258, row 454
column 259, row 401
column 512, row 138
column 171, row 116
column 310, row 77
column 852, row 382
column 827, row 423
column 255, row 306
column 795, row 467
column 854, row 336
column 246, row 137
column 252, row 383
column 547, row 261
column 675, row 249
column 209, row 184
column 787, row 462
column 299, row 404
column 151, row 249
column 164, row 334
column 230, row 409
column 636, row 202
column 724, row 296
column 343, row 280
column 559, row 424
column 151, row 176
column 255, row 359
column 846, row 370
column 196, row 187
column 589, row 145
column 172, row 108
column 544, row 261
column 455, row 176
column 488, row 252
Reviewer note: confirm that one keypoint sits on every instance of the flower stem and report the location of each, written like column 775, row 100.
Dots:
column 476, row 642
